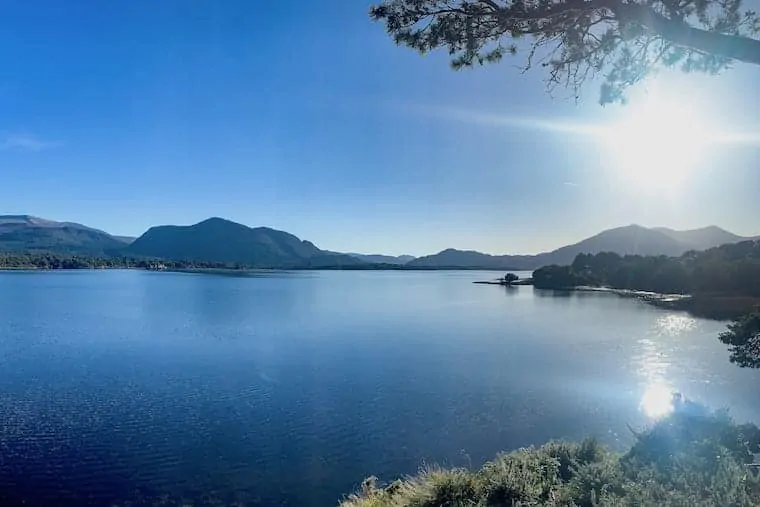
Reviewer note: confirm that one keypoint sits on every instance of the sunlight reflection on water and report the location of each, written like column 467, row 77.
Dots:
column 657, row 400
column 674, row 325
column 653, row 364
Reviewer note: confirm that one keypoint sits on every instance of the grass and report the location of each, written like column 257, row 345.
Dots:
column 692, row 458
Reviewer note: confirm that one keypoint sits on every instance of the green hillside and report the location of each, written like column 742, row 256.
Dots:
column 25, row 233
column 220, row 240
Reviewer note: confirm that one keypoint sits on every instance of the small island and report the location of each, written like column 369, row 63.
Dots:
column 509, row 280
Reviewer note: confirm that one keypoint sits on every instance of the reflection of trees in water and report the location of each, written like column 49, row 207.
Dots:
column 555, row 294
column 509, row 290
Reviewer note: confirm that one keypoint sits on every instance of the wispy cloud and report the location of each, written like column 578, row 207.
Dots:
column 25, row 142
column 749, row 135
column 475, row 117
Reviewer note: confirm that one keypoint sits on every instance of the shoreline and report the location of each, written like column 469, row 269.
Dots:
column 281, row 268
column 648, row 296
column 716, row 306
column 721, row 307
column 524, row 281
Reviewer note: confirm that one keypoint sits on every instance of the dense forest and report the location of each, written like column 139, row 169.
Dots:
column 45, row 260
column 728, row 269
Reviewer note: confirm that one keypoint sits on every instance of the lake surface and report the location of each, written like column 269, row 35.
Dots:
column 290, row 388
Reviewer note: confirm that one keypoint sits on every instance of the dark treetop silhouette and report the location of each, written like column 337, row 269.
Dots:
column 732, row 269
column 743, row 340
column 623, row 40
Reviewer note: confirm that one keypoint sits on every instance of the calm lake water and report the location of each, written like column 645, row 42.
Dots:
column 290, row 388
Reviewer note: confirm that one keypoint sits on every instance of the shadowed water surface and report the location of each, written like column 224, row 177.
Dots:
column 290, row 388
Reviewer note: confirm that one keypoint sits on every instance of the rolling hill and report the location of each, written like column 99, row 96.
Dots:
column 383, row 259
column 704, row 238
column 632, row 239
column 20, row 233
column 224, row 241
column 470, row 259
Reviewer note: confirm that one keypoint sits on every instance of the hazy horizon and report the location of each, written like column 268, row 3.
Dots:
column 308, row 119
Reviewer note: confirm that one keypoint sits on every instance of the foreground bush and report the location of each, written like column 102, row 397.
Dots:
column 692, row 458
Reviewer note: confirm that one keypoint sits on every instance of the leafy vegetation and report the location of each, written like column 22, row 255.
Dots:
column 692, row 458
column 743, row 340
column 559, row 277
column 29, row 260
column 728, row 269
column 619, row 40
column 47, row 260
column 510, row 278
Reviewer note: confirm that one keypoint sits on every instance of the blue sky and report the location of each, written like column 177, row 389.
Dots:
column 304, row 116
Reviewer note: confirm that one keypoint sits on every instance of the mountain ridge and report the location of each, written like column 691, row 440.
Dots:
column 399, row 260
column 31, row 233
column 224, row 241
column 220, row 240
column 703, row 237
column 632, row 239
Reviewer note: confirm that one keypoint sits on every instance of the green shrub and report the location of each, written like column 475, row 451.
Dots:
column 692, row 458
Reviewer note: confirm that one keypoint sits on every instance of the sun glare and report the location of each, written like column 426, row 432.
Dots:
column 658, row 143
column 657, row 401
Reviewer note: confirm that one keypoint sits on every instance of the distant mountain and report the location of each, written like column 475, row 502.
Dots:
column 220, row 240
column 452, row 258
column 28, row 233
column 632, row 239
column 383, row 259
column 704, row 238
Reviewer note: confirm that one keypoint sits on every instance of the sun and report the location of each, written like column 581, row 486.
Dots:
column 658, row 143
